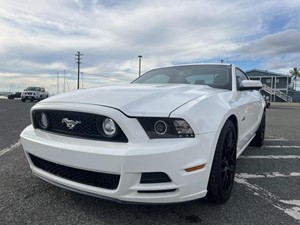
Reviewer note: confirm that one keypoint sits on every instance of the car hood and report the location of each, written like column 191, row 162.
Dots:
column 137, row 99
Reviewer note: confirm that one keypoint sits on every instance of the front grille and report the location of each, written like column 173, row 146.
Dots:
column 86, row 127
column 102, row 180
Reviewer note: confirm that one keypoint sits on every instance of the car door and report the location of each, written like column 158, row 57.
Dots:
column 248, row 106
column 43, row 93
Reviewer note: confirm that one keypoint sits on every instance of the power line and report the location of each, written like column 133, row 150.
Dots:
column 78, row 62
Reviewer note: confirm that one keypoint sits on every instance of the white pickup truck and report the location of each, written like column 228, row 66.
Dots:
column 34, row 93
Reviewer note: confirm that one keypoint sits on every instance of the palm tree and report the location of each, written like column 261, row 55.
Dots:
column 295, row 73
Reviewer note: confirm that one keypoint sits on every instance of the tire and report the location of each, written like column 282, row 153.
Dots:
column 22, row 99
column 258, row 140
column 222, row 172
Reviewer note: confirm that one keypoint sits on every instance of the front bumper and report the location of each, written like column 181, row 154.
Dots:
column 129, row 161
column 30, row 97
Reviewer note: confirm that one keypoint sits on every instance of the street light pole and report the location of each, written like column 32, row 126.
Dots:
column 140, row 63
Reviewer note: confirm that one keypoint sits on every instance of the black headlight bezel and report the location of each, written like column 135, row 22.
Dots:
column 148, row 123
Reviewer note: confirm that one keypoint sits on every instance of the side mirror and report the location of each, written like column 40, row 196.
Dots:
column 250, row 85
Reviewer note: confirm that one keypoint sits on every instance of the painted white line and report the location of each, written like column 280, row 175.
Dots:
column 273, row 137
column 12, row 147
column 281, row 146
column 276, row 139
column 270, row 157
column 295, row 210
column 290, row 207
column 267, row 175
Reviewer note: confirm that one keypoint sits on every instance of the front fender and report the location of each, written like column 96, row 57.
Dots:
column 207, row 114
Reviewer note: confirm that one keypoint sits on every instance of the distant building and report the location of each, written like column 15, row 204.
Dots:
column 276, row 86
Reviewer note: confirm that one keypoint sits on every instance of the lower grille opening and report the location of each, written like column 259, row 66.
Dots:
column 158, row 191
column 102, row 180
column 155, row 177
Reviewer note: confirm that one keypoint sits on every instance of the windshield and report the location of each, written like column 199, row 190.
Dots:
column 216, row 76
column 33, row 89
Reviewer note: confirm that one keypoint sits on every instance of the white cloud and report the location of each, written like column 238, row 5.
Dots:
column 41, row 38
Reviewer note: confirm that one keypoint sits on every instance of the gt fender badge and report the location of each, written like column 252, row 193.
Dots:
column 70, row 123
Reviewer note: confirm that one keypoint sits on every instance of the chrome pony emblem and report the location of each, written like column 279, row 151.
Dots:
column 70, row 123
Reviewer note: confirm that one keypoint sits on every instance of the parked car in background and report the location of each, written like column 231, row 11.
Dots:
column 172, row 135
column 34, row 93
column 15, row 95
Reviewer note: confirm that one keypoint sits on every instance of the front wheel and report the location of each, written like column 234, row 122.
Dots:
column 22, row 99
column 223, row 168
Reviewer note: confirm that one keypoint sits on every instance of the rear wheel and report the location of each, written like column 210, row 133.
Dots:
column 223, row 168
column 259, row 138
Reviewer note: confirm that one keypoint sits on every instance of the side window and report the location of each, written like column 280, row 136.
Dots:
column 240, row 76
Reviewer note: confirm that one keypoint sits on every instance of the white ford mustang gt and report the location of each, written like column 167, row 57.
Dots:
column 172, row 135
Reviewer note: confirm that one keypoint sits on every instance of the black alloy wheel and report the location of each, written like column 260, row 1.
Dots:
column 223, row 168
column 258, row 140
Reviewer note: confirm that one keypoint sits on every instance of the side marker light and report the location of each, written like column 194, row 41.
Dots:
column 191, row 169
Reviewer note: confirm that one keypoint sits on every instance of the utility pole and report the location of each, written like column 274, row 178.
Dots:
column 140, row 63
column 78, row 62
column 64, row 81
column 57, row 83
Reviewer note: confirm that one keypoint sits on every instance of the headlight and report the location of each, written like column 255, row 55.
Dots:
column 166, row 127
column 182, row 127
column 43, row 120
column 107, row 127
column 160, row 127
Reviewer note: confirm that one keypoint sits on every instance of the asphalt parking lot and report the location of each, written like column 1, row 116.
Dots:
column 266, row 191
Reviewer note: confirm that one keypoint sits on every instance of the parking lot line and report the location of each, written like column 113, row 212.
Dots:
column 12, row 147
column 281, row 146
column 290, row 207
column 270, row 157
column 267, row 175
column 276, row 139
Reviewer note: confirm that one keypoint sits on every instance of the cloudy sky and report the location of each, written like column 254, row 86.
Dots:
column 39, row 39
